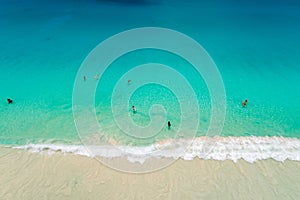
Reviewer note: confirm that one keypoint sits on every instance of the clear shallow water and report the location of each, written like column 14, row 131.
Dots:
column 254, row 44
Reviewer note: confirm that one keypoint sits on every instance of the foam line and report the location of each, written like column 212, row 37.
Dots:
column 250, row 149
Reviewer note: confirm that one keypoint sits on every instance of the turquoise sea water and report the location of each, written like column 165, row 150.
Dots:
column 255, row 45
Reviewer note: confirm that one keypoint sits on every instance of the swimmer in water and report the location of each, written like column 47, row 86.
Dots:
column 84, row 78
column 129, row 81
column 244, row 103
column 97, row 76
column 169, row 125
column 9, row 101
column 134, row 109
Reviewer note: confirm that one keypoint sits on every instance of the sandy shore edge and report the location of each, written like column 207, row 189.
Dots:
column 27, row 175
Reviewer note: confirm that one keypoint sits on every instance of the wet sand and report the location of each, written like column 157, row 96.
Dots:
column 26, row 175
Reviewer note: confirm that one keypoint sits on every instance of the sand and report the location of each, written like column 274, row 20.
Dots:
column 27, row 175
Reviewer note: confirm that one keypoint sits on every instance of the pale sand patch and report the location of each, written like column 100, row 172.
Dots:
column 26, row 175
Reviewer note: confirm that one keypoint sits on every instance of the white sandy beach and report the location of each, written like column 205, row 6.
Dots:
column 27, row 175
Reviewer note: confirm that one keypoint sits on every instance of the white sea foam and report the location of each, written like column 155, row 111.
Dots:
column 250, row 149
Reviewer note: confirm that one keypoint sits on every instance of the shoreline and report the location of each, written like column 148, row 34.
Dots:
column 248, row 148
column 66, row 176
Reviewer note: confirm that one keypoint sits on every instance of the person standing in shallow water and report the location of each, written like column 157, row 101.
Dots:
column 169, row 125
column 9, row 101
column 244, row 103
column 134, row 109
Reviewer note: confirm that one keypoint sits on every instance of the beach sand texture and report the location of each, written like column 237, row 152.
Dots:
column 27, row 175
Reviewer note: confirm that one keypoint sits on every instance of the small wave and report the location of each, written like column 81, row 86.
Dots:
column 250, row 149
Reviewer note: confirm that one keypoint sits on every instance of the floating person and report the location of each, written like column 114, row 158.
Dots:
column 134, row 109
column 97, row 76
column 9, row 101
column 84, row 78
column 169, row 125
column 244, row 103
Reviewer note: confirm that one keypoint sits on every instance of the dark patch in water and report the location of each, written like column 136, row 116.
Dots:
column 129, row 2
